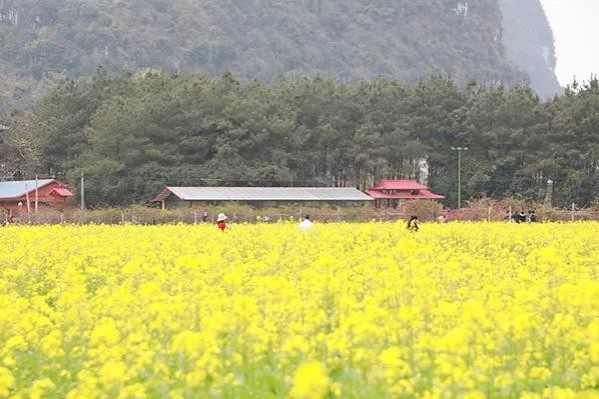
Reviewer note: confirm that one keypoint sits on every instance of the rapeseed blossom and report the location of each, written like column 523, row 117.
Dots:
column 6, row 382
column 311, row 382
column 262, row 311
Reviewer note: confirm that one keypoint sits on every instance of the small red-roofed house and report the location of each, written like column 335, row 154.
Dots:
column 19, row 197
column 392, row 193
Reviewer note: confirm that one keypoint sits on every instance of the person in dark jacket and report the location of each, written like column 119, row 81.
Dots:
column 532, row 216
column 413, row 224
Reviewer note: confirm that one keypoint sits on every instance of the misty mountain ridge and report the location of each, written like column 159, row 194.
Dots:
column 350, row 41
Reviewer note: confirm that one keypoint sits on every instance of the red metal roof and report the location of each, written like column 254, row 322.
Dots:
column 399, row 185
column 61, row 192
column 421, row 195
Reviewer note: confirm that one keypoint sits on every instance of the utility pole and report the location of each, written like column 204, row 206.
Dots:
column 28, row 204
column 459, row 150
column 3, row 168
column 549, row 192
column 82, row 192
column 36, row 194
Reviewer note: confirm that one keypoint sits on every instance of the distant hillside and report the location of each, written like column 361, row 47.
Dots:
column 349, row 40
column 529, row 41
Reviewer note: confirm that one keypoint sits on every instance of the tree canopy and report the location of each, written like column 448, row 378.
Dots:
column 132, row 133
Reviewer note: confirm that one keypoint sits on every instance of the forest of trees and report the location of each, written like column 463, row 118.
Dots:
column 42, row 42
column 132, row 133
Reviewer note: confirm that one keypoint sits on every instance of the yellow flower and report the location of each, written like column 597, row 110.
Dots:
column 17, row 342
column 6, row 382
column 135, row 391
column 540, row 373
column 310, row 382
column 40, row 388
column 530, row 395
column 475, row 395
column 105, row 333
column 113, row 374
column 465, row 310
column 336, row 389
column 590, row 379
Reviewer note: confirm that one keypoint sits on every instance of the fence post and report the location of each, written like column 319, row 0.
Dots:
column 195, row 216
column 573, row 210
column 489, row 214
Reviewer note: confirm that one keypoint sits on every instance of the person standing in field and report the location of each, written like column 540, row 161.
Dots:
column 306, row 225
column 521, row 217
column 413, row 224
column 221, row 221
column 532, row 216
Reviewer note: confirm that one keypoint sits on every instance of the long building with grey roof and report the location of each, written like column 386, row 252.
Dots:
column 261, row 197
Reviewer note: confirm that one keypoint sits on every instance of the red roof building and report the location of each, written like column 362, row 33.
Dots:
column 392, row 193
column 19, row 197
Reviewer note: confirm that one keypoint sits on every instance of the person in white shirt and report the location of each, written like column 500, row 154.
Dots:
column 306, row 225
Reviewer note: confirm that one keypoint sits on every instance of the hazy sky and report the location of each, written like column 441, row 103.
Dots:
column 576, row 29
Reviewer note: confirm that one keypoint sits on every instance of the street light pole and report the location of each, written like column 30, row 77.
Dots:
column 459, row 150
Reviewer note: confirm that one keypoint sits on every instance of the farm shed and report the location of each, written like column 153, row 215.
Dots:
column 15, row 194
column 261, row 197
column 392, row 193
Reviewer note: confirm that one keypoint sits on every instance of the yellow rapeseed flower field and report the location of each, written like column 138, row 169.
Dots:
column 264, row 311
